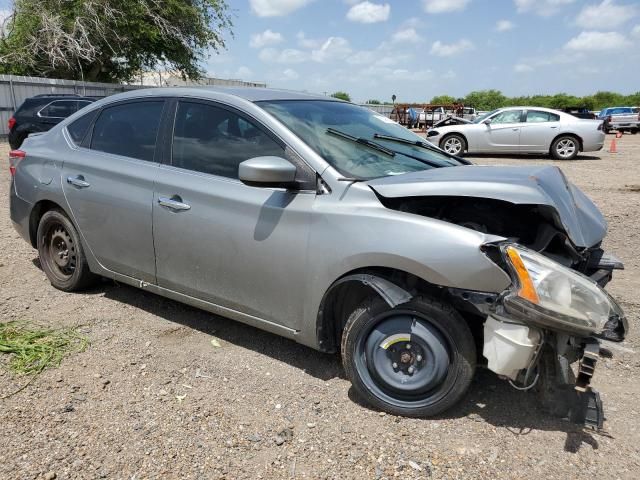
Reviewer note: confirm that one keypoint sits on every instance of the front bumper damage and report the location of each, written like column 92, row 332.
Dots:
column 534, row 351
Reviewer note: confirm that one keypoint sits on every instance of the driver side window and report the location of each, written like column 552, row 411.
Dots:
column 509, row 116
column 215, row 140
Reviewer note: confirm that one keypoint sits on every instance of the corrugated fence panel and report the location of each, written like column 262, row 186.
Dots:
column 15, row 89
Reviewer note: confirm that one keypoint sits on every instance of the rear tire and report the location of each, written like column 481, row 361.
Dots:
column 565, row 147
column 61, row 255
column 454, row 144
column 416, row 360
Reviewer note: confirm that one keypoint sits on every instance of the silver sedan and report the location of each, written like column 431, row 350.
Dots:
column 522, row 130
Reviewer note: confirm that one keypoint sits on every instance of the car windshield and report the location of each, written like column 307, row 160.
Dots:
column 356, row 141
column 484, row 116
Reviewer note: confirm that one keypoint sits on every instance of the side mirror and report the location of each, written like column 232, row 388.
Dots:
column 267, row 172
column 487, row 121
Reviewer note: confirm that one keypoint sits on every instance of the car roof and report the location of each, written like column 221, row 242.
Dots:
column 531, row 107
column 251, row 94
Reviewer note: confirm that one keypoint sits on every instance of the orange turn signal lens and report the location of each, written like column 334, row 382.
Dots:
column 527, row 289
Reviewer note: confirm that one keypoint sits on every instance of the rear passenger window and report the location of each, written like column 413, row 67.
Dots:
column 59, row 109
column 536, row 116
column 129, row 129
column 214, row 140
column 79, row 128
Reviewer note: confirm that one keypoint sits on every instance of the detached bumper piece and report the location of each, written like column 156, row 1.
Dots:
column 587, row 409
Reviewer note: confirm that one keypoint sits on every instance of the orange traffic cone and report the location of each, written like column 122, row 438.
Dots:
column 613, row 148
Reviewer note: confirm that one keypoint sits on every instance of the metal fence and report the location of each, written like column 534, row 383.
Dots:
column 15, row 89
column 381, row 109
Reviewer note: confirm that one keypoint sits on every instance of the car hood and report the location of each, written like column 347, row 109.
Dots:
column 581, row 219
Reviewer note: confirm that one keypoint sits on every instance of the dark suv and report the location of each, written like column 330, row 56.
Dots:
column 41, row 113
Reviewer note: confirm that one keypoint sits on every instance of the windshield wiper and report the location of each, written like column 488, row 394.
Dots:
column 421, row 144
column 361, row 141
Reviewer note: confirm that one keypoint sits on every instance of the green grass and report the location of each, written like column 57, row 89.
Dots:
column 33, row 349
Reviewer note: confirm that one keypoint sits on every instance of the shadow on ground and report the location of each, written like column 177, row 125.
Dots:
column 489, row 399
column 580, row 157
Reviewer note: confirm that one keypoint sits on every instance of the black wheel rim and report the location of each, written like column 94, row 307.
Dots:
column 406, row 360
column 59, row 250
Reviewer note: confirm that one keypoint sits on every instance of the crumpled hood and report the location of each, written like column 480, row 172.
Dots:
column 530, row 185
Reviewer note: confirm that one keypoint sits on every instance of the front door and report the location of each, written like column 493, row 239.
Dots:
column 219, row 240
column 108, row 184
column 503, row 133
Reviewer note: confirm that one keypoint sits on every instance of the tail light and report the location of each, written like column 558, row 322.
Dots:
column 14, row 158
column 11, row 123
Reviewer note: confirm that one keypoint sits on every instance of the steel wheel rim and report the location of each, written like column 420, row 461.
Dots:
column 60, row 253
column 453, row 145
column 383, row 371
column 566, row 148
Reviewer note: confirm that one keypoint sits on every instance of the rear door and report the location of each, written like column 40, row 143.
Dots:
column 108, row 183
column 538, row 131
column 503, row 133
column 219, row 240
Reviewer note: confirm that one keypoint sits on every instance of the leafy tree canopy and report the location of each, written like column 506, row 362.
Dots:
column 111, row 40
column 342, row 96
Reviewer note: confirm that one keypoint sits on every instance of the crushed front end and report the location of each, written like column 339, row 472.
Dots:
column 549, row 318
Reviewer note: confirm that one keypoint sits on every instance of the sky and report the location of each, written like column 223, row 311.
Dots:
column 416, row 49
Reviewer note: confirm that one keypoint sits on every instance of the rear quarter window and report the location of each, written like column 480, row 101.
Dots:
column 79, row 128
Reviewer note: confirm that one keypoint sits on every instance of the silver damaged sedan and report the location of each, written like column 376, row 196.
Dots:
column 331, row 225
column 522, row 130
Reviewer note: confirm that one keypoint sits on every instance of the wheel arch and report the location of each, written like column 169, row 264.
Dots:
column 394, row 286
column 39, row 209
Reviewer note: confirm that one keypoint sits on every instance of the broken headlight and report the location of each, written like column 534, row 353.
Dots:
column 555, row 296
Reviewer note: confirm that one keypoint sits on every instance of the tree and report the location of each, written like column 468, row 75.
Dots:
column 443, row 100
column 111, row 40
column 342, row 96
column 374, row 102
column 485, row 99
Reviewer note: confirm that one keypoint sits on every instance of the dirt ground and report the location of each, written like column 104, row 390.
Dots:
column 153, row 398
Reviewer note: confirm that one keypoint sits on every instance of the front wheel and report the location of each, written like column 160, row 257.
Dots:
column 416, row 359
column 565, row 148
column 454, row 144
column 61, row 254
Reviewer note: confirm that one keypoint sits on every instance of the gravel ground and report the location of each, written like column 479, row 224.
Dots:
column 153, row 398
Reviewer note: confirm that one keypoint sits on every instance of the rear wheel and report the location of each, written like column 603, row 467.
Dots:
column 454, row 144
column 417, row 359
column 565, row 148
column 61, row 254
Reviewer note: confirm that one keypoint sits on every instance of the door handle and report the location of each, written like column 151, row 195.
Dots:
column 78, row 181
column 174, row 203
column 515, row 129
column 554, row 126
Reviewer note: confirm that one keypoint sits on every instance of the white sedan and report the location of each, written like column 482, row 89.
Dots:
column 522, row 130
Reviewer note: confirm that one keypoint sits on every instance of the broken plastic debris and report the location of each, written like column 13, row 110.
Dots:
column 215, row 343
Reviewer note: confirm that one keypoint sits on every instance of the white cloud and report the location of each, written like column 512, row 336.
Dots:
column 334, row 48
column 608, row 14
column 290, row 74
column 367, row 12
column 544, row 8
column 446, row 50
column 305, row 42
column 407, row 35
column 266, row 38
column 636, row 31
column 244, row 73
column 444, row 6
column 504, row 25
column 597, row 41
column 523, row 68
column 288, row 55
column 276, row 8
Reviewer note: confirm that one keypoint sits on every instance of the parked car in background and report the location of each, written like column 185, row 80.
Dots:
column 333, row 226
column 40, row 113
column 450, row 120
column 580, row 112
column 522, row 130
column 622, row 119
column 428, row 117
